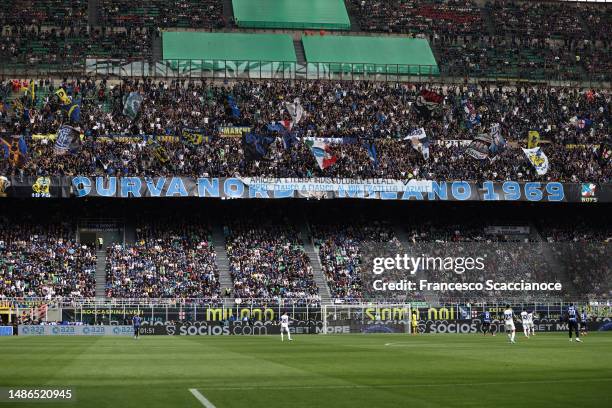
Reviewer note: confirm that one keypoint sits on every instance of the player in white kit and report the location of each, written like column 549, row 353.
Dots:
column 530, row 324
column 509, row 323
column 285, row 327
column 525, row 322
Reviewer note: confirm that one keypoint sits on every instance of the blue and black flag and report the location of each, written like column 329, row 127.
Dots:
column 256, row 146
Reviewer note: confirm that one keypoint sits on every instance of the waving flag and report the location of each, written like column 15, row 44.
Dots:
column 15, row 149
column 498, row 143
column 132, row 105
column 63, row 96
column 256, row 146
column 289, row 140
column 68, row 139
column 296, row 110
column 72, row 109
column 538, row 159
column 480, row 147
column 472, row 117
column 420, row 142
column 321, row 152
column 426, row 102
column 233, row 106
column 371, row 149
column 533, row 139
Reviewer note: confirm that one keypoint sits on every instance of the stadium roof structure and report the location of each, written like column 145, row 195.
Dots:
column 292, row 14
column 228, row 46
column 374, row 54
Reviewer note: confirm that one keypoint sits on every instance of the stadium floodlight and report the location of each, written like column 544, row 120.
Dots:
column 367, row 318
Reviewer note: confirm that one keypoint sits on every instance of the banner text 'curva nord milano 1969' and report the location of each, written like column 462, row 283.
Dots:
column 311, row 188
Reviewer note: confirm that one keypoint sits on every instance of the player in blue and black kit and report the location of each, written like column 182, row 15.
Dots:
column 572, row 319
column 486, row 323
column 136, row 323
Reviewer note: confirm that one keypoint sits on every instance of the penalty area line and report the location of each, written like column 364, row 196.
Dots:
column 201, row 398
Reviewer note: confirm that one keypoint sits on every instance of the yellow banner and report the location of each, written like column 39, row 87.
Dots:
column 533, row 139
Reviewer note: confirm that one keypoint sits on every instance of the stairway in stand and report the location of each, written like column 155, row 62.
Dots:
column 317, row 271
column 225, row 279
column 100, row 273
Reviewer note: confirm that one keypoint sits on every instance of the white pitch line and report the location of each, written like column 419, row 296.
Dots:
column 358, row 386
column 201, row 398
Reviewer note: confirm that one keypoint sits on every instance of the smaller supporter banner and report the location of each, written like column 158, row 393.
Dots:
column 233, row 131
column 34, row 187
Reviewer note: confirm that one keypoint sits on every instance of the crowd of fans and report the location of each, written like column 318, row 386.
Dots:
column 447, row 19
column 536, row 40
column 40, row 260
column 58, row 13
column 269, row 262
column 164, row 13
column 584, row 254
column 34, row 47
column 576, row 123
column 168, row 260
column 506, row 258
column 524, row 57
column 341, row 249
column 548, row 20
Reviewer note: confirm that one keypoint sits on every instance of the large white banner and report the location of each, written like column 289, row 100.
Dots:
column 323, row 184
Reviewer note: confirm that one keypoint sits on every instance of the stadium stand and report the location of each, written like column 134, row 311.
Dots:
column 21, row 47
column 340, row 247
column 447, row 18
column 59, row 13
column 168, row 260
column 575, row 123
column 369, row 125
column 42, row 259
column 268, row 262
column 536, row 40
column 163, row 13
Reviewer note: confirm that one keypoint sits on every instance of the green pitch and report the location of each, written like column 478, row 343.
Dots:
column 315, row 371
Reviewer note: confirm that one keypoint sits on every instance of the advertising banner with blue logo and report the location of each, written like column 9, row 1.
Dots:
column 61, row 330
column 6, row 330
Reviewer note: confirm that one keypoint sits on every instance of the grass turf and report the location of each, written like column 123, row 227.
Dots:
column 314, row 371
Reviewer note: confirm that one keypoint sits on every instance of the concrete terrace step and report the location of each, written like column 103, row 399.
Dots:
column 100, row 273
column 317, row 271
column 218, row 241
